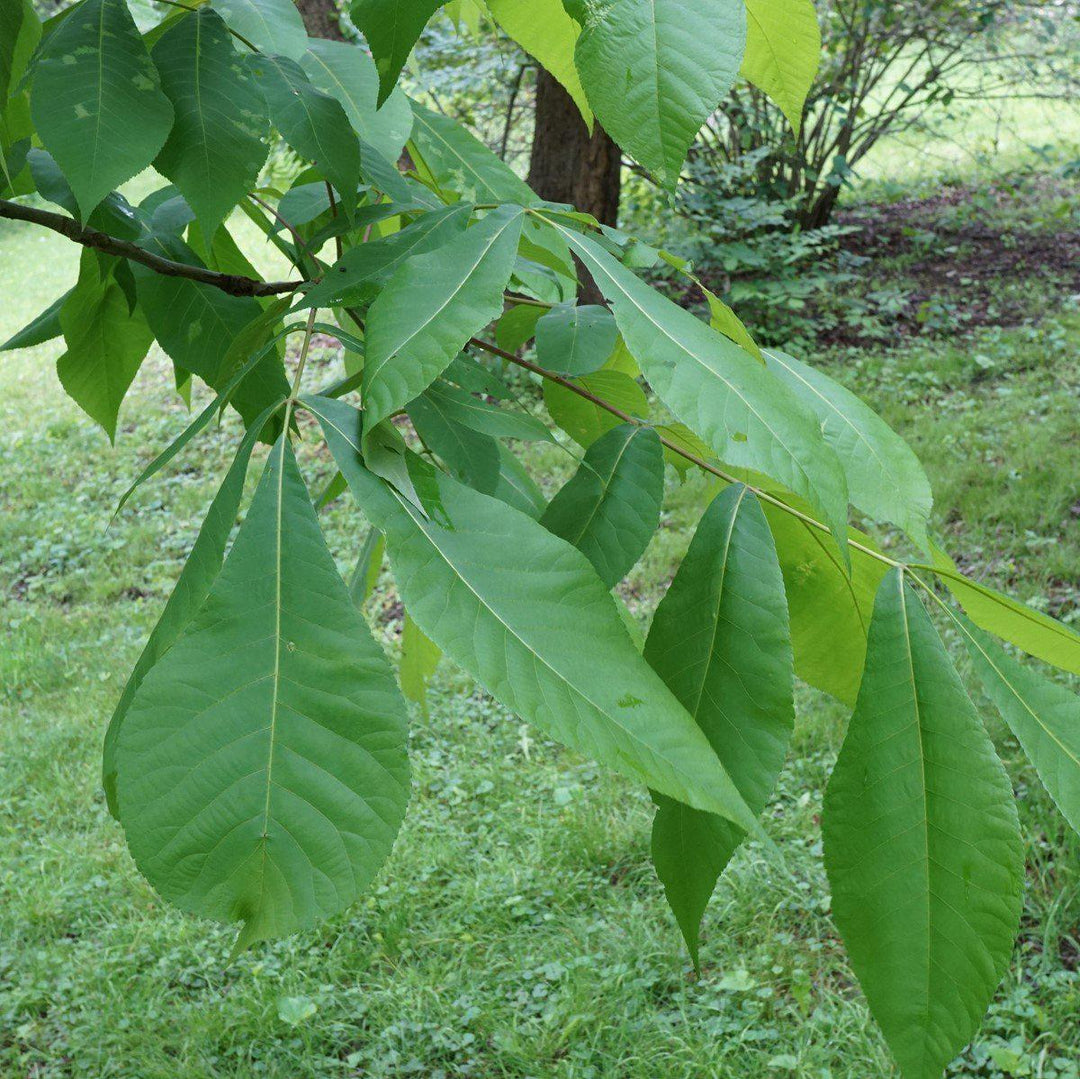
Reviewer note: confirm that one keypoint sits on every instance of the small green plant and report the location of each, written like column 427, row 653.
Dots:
column 257, row 759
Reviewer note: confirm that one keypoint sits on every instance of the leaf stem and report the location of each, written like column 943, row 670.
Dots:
column 568, row 384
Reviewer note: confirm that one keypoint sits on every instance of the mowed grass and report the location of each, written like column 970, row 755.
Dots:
column 518, row 929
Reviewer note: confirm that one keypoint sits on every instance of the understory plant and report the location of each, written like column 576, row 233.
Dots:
column 257, row 759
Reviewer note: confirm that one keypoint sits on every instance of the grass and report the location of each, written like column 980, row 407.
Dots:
column 518, row 929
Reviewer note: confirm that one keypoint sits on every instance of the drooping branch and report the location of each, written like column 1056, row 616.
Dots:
column 233, row 284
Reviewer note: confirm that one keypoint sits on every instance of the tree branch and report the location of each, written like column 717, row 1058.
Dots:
column 233, row 284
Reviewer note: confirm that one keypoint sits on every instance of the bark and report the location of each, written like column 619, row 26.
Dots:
column 570, row 165
column 321, row 19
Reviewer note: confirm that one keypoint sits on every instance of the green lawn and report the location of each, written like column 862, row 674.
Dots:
column 518, row 929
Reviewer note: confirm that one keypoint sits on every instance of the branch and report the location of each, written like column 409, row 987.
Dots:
column 693, row 458
column 233, row 284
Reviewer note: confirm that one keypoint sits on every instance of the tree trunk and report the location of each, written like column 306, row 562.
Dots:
column 321, row 19
column 570, row 165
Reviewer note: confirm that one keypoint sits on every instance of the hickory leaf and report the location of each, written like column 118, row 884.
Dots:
column 922, row 843
column 217, row 145
column 314, row 124
column 273, row 26
column 720, row 640
column 250, row 789
column 391, row 28
column 199, row 573
column 96, row 100
column 610, row 508
column 573, row 340
column 884, row 477
column 655, row 70
column 431, row 307
column 524, row 613
column 1044, row 716
column 783, row 51
column 722, row 393
column 346, row 72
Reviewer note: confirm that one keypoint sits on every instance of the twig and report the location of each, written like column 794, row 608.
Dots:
column 233, row 284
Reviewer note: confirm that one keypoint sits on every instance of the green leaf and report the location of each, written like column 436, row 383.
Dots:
column 1036, row 633
column 217, row 145
column 106, row 343
column 391, row 29
column 720, row 640
column 346, row 72
column 585, row 422
column 524, row 613
column 250, row 789
column 199, row 573
column 358, row 276
column 312, row 123
column 830, row 607
column 20, row 31
column 747, row 415
column 725, row 321
column 610, row 508
column 517, row 326
column 431, row 307
column 922, row 843
column 96, row 100
column 548, row 34
column 487, row 418
column 469, row 455
column 459, row 162
column 884, row 477
column 572, row 340
column 274, row 26
column 783, row 51
column 43, row 328
column 655, row 70
column 200, row 328
column 517, row 488
column 1044, row 716
column 419, row 658
column 368, row 566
